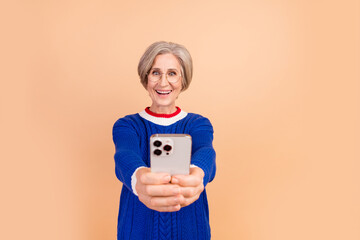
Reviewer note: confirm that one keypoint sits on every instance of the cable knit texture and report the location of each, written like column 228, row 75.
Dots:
column 131, row 135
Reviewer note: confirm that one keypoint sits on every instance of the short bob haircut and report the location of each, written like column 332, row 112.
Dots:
column 162, row 47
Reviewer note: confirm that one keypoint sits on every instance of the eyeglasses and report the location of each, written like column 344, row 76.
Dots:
column 172, row 75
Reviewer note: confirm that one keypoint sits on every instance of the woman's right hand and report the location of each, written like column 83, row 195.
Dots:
column 156, row 191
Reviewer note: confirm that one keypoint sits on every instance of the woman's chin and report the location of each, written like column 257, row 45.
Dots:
column 163, row 105
column 164, row 101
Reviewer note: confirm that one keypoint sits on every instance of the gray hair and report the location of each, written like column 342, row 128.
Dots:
column 162, row 47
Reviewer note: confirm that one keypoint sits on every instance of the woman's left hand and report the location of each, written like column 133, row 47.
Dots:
column 191, row 186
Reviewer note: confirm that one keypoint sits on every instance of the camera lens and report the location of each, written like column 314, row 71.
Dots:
column 167, row 147
column 157, row 143
column 157, row 152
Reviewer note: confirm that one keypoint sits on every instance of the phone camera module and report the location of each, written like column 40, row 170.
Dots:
column 157, row 143
column 157, row 152
column 167, row 148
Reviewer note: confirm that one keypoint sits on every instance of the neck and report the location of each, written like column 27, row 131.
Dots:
column 163, row 109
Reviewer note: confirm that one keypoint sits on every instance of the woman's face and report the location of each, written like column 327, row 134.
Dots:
column 163, row 93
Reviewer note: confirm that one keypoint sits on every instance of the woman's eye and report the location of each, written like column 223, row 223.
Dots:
column 172, row 74
column 156, row 73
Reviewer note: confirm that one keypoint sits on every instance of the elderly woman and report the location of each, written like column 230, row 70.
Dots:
column 157, row 205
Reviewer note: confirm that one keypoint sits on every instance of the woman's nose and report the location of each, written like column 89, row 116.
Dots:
column 163, row 80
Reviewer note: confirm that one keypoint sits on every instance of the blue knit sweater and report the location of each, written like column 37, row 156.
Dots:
column 131, row 136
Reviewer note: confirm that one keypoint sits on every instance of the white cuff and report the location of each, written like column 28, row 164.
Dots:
column 134, row 180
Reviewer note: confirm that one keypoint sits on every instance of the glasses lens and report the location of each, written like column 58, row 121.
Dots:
column 171, row 75
column 155, row 75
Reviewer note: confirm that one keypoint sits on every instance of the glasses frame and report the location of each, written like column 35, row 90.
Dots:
column 161, row 75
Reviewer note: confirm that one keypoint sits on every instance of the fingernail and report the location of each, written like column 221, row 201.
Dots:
column 167, row 178
column 175, row 180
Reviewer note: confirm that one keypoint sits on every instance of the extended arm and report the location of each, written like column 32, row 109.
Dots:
column 203, row 157
column 203, row 153
column 128, row 155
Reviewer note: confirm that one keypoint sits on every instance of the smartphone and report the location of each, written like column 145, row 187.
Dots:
column 170, row 153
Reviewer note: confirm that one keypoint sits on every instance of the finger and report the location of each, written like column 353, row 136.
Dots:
column 157, row 205
column 187, row 180
column 191, row 191
column 168, row 209
column 161, row 190
column 155, row 178
column 164, row 201
column 197, row 171
column 187, row 201
column 193, row 179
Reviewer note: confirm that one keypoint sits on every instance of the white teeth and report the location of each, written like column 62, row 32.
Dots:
column 163, row 92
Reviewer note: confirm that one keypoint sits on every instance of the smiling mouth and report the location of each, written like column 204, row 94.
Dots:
column 163, row 92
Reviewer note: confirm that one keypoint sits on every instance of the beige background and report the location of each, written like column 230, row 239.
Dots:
column 280, row 81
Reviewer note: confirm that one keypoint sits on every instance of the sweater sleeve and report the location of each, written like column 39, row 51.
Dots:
column 203, row 153
column 127, row 151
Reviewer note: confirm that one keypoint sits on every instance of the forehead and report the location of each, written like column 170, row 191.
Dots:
column 166, row 61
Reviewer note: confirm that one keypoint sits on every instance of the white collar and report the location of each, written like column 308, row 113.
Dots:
column 163, row 119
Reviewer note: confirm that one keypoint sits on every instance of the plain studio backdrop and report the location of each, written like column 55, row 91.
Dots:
column 279, row 80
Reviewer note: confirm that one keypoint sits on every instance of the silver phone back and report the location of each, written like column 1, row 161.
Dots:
column 175, row 161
